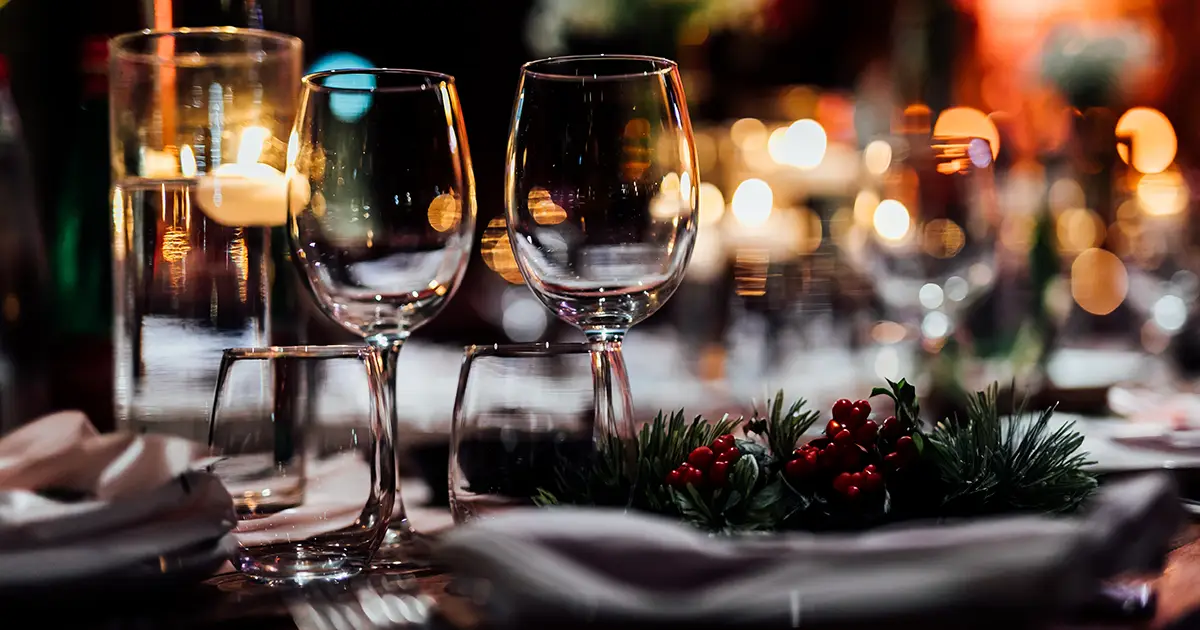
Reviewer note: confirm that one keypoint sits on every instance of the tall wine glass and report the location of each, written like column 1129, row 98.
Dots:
column 382, row 211
column 601, row 197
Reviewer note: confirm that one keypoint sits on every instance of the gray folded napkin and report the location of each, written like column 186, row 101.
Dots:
column 586, row 567
column 79, row 508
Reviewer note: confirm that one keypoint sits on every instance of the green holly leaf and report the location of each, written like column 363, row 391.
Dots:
column 731, row 501
column 767, row 497
column 882, row 391
column 745, row 474
column 919, row 441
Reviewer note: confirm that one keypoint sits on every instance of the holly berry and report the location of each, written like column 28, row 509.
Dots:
column 701, row 457
column 719, row 473
column 871, row 481
column 833, row 428
column 860, row 411
column 866, row 434
column 841, row 409
column 692, row 475
column 891, row 428
column 842, row 482
column 851, row 458
column 675, row 478
column 843, row 438
column 799, row 468
column 724, row 443
column 827, row 457
column 892, row 461
column 730, row 456
column 852, row 493
column 906, row 447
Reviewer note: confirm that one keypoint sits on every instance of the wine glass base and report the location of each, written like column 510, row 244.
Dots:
column 406, row 552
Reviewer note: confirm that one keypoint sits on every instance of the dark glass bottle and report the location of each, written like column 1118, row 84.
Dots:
column 80, row 252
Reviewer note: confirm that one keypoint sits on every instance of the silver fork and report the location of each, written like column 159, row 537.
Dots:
column 373, row 603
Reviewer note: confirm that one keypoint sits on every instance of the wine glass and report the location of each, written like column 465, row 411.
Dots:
column 601, row 197
column 522, row 429
column 925, row 233
column 382, row 212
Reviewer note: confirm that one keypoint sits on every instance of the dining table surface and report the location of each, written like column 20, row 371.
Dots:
column 228, row 600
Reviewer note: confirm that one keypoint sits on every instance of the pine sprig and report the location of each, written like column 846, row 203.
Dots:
column 782, row 430
column 992, row 463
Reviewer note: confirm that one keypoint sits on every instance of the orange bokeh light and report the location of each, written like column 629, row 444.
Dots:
column 1151, row 137
column 967, row 122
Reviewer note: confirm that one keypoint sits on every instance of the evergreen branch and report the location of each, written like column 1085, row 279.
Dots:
column 992, row 463
column 783, row 430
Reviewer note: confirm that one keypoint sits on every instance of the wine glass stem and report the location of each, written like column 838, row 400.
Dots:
column 613, row 400
column 389, row 345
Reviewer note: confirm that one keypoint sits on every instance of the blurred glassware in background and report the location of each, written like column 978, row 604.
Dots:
column 23, row 275
column 601, row 200
column 925, row 233
column 382, row 213
column 1128, row 283
column 524, row 424
column 305, row 447
column 199, row 148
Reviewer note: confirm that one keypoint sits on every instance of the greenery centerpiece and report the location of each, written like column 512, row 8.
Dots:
column 860, row 471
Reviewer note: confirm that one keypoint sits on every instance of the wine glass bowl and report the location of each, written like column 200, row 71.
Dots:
column 601, row 187
column 383, row 231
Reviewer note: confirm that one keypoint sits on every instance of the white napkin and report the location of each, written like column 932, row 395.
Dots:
column 581, row 567
column 137, row 501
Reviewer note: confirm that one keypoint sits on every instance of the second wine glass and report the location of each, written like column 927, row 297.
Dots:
column 382, row 211
column 601, row 197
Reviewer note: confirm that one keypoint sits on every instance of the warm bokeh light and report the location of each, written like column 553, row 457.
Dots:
column 967, row 122
column 1099, row 281
column 891, row 220
column 888, row 332
column 497, row 253
column 544, row 210
column 943, row 238
column 864, row 208
column 752, row 202
column 802, row 144
column 1066, row 193
column 877, row 157
column 712, row 204
column 916, row 119
column 1162, row 194
column 1016, row 231
column 1150, row 136
column 748, row 133
column 1078, row 229
column 444, row 213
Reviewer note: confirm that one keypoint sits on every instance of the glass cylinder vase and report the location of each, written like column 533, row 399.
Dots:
column 199, row 140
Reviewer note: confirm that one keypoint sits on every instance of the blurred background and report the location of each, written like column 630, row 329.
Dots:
column 826, row 260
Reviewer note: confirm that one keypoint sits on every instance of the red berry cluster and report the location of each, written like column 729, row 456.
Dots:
column 854, row 454
column 707, row 465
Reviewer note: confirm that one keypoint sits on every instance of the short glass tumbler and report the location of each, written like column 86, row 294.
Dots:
column 303, row 443
column 524, row 430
